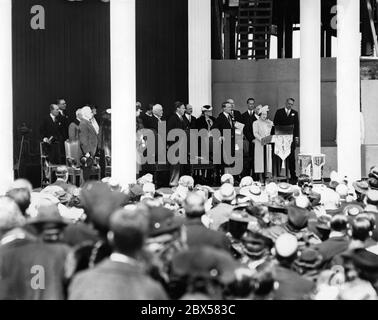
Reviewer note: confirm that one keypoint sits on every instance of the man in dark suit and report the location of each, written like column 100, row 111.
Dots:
column 88, row 139
column 176, row 121
column 189, row 119
column 197, row 234
column 51, row 135
column 63, row 118
column 288, row 117
column 291, row 285
column 147, row 116
column 190, row 123
column 122, row 275
column 235, row 114
column 338, row 240
column 249, row 117
column 223, row 123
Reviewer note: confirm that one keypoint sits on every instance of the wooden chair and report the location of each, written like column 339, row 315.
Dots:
column 108, row 166
column 73, row 162
column 202, row 170
column 75, row 171
column 47, row 169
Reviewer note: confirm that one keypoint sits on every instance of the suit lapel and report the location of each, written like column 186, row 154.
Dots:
column 91, row 127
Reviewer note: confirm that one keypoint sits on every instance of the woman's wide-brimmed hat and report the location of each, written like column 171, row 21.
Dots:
column 207, row 108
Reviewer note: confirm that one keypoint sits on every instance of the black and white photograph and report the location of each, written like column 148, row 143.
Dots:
column 189, row 150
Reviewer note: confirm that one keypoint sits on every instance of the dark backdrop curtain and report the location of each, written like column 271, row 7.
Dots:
column 216, row 29
column 69, row 59
column 162, row 52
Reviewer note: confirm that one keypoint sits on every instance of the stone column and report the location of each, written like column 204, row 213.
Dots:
column 199, row 24
column 6, row 96
column 348, row 89
column 310, row 159
column 123, row 90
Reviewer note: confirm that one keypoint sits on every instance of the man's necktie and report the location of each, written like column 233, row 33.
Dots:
column 230, row 120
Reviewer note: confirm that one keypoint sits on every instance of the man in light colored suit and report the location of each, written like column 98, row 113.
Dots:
column 88, row 138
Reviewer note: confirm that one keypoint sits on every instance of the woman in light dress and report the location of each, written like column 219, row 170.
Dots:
column 262, row 128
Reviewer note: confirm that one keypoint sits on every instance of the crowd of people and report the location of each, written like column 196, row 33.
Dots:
column 244, row 241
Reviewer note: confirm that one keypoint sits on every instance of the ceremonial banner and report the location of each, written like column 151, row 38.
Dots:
column 318, row 163
column 305, row 164
column 282, row 147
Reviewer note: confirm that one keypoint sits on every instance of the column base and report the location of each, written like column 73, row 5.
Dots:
column 312, row 165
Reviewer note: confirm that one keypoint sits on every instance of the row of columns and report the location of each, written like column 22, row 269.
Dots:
column 348, row 89
column 123, row 83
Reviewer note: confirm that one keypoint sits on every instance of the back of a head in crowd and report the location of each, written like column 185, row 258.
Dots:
column 255, row 244
column 227, row 178
column 370, row 217
column 361, row 229
column 128, row 230
column 339, row 223
column 203, row 270
column 343, row 190
column 10, row 215
column 21, row 184
column 372, row 198
column 194, row 205
column 187, row 182
column 264, row 281
column 48, row 223
column 286, row 248
column 226, row 193
column 303, row 179
column 22, row 198
column 99, row 202
column 62, row 173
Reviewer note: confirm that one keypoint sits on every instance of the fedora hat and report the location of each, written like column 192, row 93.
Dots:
column 285, row 188
column 48, row 214
column 207, row 108
column 298, row 217
column 361, row 186
column 225, row 193
column 162, row 220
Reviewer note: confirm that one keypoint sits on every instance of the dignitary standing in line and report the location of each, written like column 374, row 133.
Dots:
column 235, row 114
column 226, row 123
column 262, row 128
column 286, row 116
column 88, row 138
column 51, row 135
column 206, row 121
column 249, row 117
column 176, row 121
column 189, row 119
